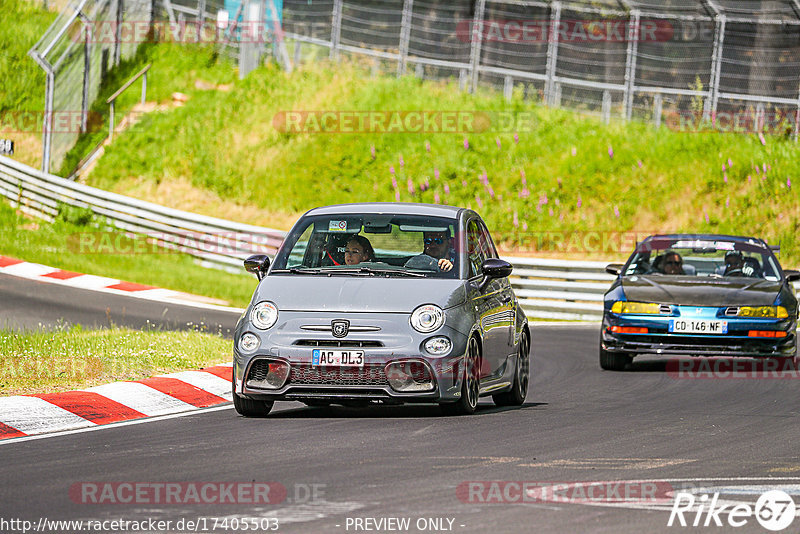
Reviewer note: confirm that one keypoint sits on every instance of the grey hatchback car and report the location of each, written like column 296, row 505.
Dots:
column 382, row 303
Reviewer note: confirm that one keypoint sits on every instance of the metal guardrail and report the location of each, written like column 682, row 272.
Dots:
column 215, row 242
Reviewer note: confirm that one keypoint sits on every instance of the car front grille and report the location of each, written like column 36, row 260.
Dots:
column 369, row 375
column 350, row 343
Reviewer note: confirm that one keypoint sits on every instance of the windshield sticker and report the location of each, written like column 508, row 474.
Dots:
column 717, row 245
column 337, row 226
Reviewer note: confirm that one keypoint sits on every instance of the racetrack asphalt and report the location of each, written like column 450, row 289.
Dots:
column 30, row 305
column 579, row 424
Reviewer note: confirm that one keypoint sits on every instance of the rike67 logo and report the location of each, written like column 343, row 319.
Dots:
column 775, row 510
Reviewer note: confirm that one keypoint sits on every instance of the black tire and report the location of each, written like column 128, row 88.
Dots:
column 470, row 384
column 519, row 389
column 614, row 361
column 249, row 407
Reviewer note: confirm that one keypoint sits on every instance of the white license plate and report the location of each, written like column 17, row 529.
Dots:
column 698, row 326
column 340, row 358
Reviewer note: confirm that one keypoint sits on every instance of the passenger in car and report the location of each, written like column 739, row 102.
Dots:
column 671, row 263
column 358, row 249
column 733, row 263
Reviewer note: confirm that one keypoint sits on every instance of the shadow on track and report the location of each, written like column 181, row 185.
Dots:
column 391, row 412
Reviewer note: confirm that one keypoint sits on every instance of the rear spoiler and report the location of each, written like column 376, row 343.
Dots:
column 775, row 248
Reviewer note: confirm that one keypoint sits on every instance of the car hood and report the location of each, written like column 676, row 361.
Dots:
column 358, row 294
column 701, row 291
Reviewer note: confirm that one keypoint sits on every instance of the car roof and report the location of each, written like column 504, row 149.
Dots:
column 716, row 237
column 400, row 208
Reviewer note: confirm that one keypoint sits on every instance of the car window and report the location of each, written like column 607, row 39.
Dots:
column 479, row 247
column 384, row 243
column 716, row 259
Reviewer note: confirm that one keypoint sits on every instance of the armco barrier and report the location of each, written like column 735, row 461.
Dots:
column 549, row 289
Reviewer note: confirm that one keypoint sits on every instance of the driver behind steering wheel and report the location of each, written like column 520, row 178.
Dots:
column 733, row 263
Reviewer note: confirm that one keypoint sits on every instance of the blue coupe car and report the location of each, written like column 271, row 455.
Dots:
column 699, row 295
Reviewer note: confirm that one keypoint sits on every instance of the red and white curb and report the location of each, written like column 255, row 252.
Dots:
column 43, row 273
column 27, row 415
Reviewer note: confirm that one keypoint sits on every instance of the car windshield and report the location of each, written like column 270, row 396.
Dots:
column 370, row 245
column 703, row 258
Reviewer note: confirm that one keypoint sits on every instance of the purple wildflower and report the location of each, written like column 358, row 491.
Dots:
column 723, row 167
column 464, row 183
column 516, row 138
column 640, row 164
column 391, row 169
column 610, row 152
column 427, row 146
column 402, row 162
column 524, row 226
column 372, row 151
column 749, row 178
column 706, row 216
column 397, row 196
column 789, row 183
column 436, row 198
column 446, row 189
column 616, row 211
column 499, row 144
column 394, row 182
column 580, row 201
column 516, row 220
column 728, row 202
column 761, row 138
column 436, row 173
column 466, row 144
column 574, row 151
column 491, row 191
column 730, row 163
column 411, row 186
column 479, row 201
column 725, row 177
column 550, row 212
column 524, row 193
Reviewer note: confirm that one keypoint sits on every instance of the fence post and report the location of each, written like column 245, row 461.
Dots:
column 552, row 53
column 508, row 87
column 477, row 44
column 606, row 106
column 298, row 54
column 336, row 29
column 630, row 63
column 405, row 35
column 797, row 120
column 716, row 65
column 118, row 33
column 201, row 16
column 657, row 109
column 87, row 65
column 144, row 88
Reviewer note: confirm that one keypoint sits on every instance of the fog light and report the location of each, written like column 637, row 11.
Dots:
column 438, row 346
column 409, row 376
column 248, row 342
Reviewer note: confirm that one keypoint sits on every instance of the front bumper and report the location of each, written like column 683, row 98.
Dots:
column 736, row 342
column 395, row 341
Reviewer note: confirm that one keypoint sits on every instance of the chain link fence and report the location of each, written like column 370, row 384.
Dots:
column 723, row 65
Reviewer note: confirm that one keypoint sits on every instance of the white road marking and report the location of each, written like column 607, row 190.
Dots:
column 34, row 415
column 28, row 270
column 141, row 398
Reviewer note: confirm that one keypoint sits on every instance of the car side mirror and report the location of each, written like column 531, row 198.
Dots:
column 791, row 275
column 257, row 264
column 494, row 268
column 614, row 268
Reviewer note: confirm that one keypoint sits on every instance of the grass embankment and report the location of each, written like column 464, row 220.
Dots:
column 566, row 177
column 45, row 362
column 22, row 86
column 59, row 245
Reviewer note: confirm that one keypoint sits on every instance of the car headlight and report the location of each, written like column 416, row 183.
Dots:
column 438, row 346
column 248, row 342
column 264, row 315
column 427, row 318
column 622, row 306
column 774, row 312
